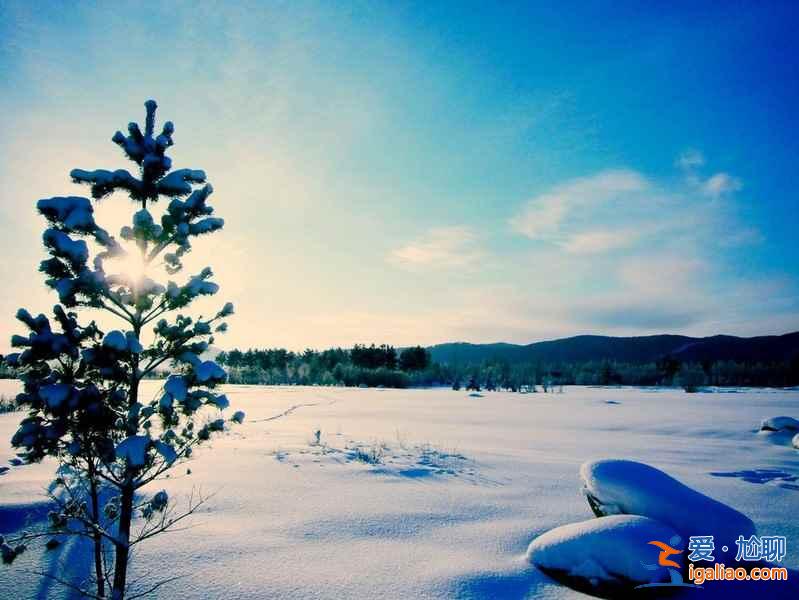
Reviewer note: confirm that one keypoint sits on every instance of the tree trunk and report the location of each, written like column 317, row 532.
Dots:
column 98, row 538
column 123, row 542
column 122, row 553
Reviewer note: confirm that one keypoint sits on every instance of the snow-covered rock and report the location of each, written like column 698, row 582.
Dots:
column 634, row 488
column 779, row 424
column 605, row 551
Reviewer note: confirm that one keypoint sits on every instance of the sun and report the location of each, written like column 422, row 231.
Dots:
column 132, row 265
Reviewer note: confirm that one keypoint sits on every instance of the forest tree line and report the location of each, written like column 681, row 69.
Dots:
column 386, row 366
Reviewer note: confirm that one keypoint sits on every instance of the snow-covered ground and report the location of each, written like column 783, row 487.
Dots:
column 424, row 493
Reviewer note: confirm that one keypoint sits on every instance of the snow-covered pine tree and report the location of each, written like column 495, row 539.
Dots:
column 81, row 385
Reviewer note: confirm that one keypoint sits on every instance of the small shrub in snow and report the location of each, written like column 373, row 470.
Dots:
column 372, row 455
column 432, row 457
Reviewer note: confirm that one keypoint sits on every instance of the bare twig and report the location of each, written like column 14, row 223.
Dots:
column 151, row 589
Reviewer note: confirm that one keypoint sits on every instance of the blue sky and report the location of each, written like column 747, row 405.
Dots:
column 426, row 172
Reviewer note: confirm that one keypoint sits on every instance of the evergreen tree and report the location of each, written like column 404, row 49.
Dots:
column 414, row 358
column 81, row 384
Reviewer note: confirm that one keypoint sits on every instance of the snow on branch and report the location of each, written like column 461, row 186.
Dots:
column 148, row 151
column 105, row 182
column 178, row 183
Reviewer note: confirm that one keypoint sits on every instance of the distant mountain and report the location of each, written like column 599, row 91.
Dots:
column 643, row 349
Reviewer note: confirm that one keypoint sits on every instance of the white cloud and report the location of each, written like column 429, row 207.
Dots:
column 690, row 159
column 624, row 255
column 618, row 209
column 596, row 242
column 715, row 186
column 660, row 274
column 544, row 215
column 540, row 217
column 647, row 294
column 721, row 184
column 633, row 254
column 440, row 248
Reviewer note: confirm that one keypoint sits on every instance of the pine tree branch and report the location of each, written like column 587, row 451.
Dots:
column 127, row 316
column 172, row 354
column 28, row 536
column 158, row 248
column 87, row 523
column 152, row 314
column 166, row 524
column 165, row 466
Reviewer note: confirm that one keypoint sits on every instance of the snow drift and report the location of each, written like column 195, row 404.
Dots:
column 779, row 424
column 607, row 551
column 634, row 488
